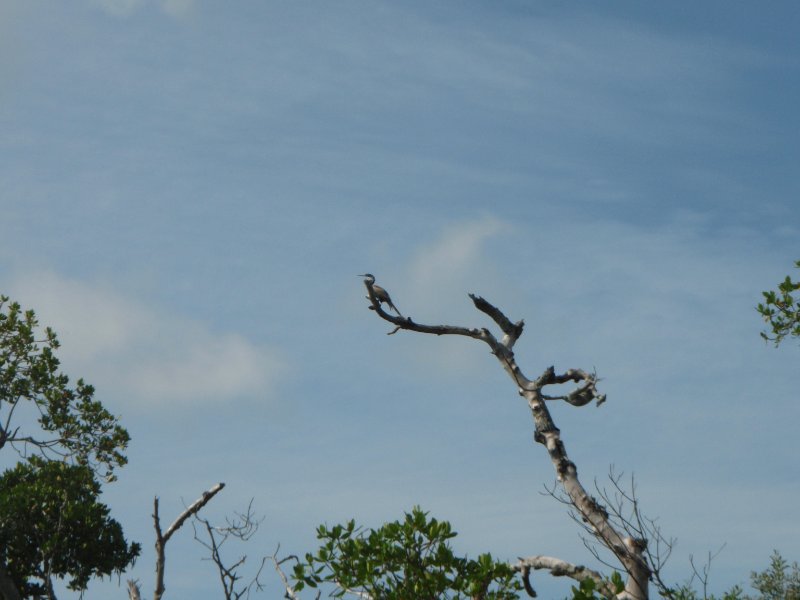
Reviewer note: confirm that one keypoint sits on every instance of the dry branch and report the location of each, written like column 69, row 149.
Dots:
column 162, row 539
column 290, row 593
column 512, row 331
column 559, row 568
column 134, row 591
column 242, row 526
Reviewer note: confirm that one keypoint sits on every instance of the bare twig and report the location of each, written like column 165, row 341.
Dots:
column 703, row 573
column 242, row 527
column 290, row 593
column 134, row 591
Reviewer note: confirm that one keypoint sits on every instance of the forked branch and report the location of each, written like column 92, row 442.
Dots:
column 290, row 593
column 163, row 538
column 242, row 526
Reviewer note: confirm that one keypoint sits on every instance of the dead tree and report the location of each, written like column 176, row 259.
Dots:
column 134, row 591
column 617, row 535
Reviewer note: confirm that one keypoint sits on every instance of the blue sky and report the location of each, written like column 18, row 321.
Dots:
column 189, row 188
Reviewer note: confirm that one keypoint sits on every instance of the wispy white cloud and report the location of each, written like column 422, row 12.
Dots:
column 118, row 8
column 437, row 279
column 176, row 8
column 121, row 345
column 604, row 76
column 454, row 259
column 125, row 8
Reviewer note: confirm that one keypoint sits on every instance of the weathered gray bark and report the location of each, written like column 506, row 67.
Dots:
column 560, row 568
column 629, row 551
column 134, row 592
column 291, row 594
column 162, row 539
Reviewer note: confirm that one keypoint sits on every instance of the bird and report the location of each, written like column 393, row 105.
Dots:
column 380, row 294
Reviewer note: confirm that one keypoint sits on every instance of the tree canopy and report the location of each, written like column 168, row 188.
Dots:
column 52, row 525
column 71, row 423
column 51, row 522
column 781, row 310
column 408, row 558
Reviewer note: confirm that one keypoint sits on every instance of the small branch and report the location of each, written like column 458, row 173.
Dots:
column 512, row 331
column 525, row 570
column 704, row 572
column 641, row 532
column 356, row 593
column 134, row 591
column 560, row 568
column 502, row 350
column 582, row 395
column 290, row 593
column 160, row 556
column 242, row 527
column 193, row 509
column 408, row 323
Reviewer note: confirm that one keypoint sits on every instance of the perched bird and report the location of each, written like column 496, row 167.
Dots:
column 381, row 294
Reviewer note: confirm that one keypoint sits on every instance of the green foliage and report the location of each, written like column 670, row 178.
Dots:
column 52, row 525
column 588, row 588
column 778, row 582
column 781, row 310
column 685, row 592
column 401, row 560
column 70, row 422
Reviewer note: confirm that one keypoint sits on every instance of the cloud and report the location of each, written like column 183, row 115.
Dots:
column 118, row 8
column 454, row 259
column 121, row 344
column 435, row 286
column 125, row 8
column 176, row 8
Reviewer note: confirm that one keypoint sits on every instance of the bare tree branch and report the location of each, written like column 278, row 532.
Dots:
column 703, row 572
column 162, row 539
column 290, row 593
column 525, row 571
column 560, row 568
column 134, row 591
column 242, row 527
column 625, row 513
column 512, row 331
